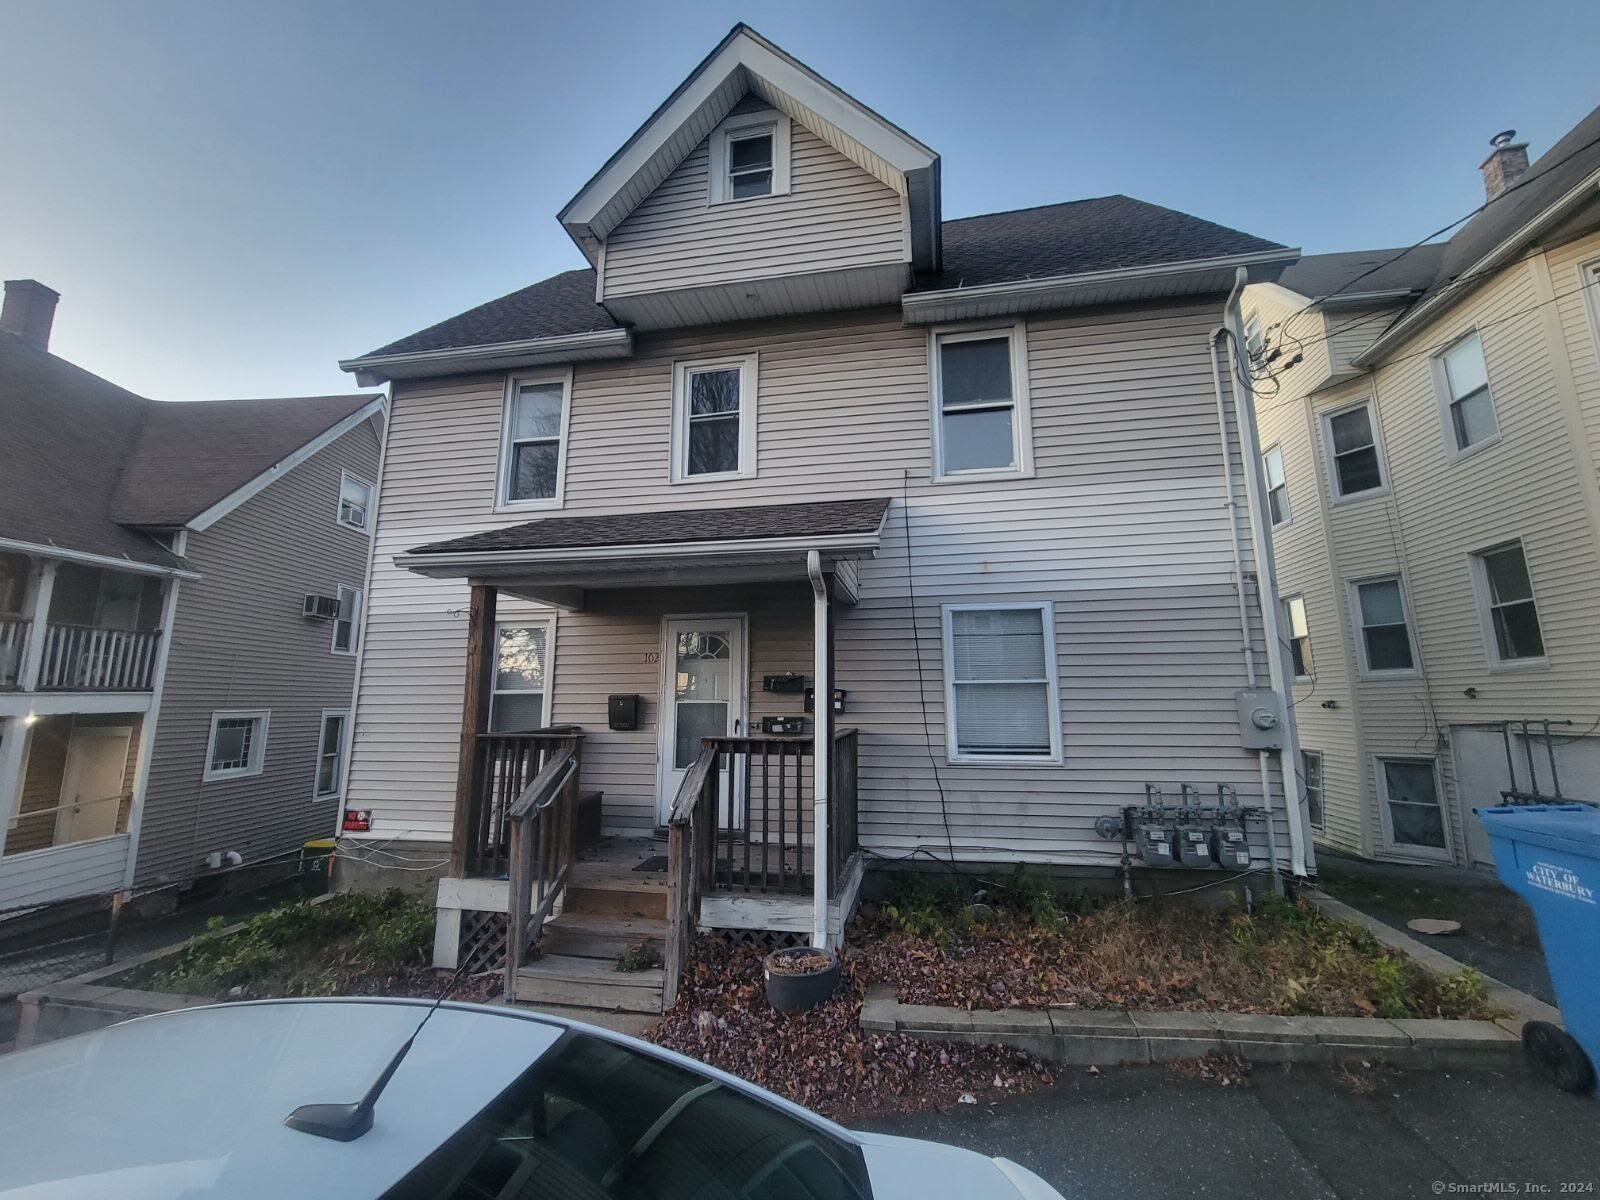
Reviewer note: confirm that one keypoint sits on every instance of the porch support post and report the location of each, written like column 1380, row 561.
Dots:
column 474, row 721
column 13, row 759
column 44, row 586
column 822, row 747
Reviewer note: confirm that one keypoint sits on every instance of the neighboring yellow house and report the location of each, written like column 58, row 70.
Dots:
column 1430, row 422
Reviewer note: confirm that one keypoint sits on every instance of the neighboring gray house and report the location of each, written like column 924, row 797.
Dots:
column 1431, row 425
column 166, row 709
column 795, row 430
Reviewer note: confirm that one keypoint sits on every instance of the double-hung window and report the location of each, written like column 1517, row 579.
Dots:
column 714, row 419
column 1352, row 443
column 1413, row 821
column 329, row 782
column 347, row 624
column 1000, row 683
column 1277, row 489
column 1463, row 383
column 1294, row 609
column 750, row 157
column 1311, row 780
column 533, row 441
column 980, row 402
column 237, row 746
column 520, row 698
column 355, row 502
column 1506, row 592
column 1385, row 636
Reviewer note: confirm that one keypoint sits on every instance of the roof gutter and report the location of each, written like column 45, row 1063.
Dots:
column 1496, row 258
column 84, row 557
column 374, row 369
column 837, row 543
column 1061, row 291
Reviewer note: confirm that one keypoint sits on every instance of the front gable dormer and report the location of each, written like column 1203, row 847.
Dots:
column 758, row 189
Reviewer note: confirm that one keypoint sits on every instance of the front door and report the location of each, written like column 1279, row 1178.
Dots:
column 703, row 689
column 91, row 783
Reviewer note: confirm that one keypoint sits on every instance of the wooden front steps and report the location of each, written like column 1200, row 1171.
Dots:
column 589, row 983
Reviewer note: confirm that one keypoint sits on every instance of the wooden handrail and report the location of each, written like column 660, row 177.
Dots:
column 694, row 782
column 500, row 767
column 541, row 821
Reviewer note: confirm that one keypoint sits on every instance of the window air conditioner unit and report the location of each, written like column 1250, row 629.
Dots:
column 320, row 608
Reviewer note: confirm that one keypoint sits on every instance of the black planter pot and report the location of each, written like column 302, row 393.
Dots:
column 797, row 993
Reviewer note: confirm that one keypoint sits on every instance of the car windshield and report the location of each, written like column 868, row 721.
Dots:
column 594, row 1120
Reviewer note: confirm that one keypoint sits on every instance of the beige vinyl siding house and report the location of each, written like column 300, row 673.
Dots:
column 241, row 644
column 976, row 477
column 1526, row 479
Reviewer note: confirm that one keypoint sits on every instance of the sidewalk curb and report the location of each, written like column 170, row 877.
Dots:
column 1080, row 1037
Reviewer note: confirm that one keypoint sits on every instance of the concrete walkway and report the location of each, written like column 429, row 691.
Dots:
column 1310, row 1133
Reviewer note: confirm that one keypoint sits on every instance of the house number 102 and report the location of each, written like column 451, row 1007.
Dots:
column 652, row 656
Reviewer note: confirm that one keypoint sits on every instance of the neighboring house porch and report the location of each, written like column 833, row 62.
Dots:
column 695, row 745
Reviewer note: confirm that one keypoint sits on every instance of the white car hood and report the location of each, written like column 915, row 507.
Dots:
column 908, row 1169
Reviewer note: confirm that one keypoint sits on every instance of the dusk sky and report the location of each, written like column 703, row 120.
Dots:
column 232, row 195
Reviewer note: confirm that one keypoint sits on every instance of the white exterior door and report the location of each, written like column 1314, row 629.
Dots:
column 91, row 783
column 704, row 682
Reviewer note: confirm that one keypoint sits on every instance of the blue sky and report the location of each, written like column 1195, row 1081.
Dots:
column 232, row 195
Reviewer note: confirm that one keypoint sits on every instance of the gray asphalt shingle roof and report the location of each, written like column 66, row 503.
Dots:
column 1029, row 243
column 1399, row 269
column 84, row 461
column 810, row 520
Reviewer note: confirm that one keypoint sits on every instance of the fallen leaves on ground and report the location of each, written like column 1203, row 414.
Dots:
column 1222, row 1069
column 822, row 1058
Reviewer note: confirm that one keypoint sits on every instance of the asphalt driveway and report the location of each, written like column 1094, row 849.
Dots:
column 1306, row 1133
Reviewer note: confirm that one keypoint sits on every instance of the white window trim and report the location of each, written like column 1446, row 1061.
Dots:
column 1589, row 283
column 749, row 382
column 355, row 621
column 1289, row 637
column 952, row 754
column 1322, row 787
column 1482, row 602
column 258, row 746
column 1441, row 393
column 549, row 623
column 1021, row 408
column 1407, row 850
column 1358, row 629
column 744, row 125
column 1335, row 497
column 1266, row 479
column 344, row 743
column 372, row 493
column 502, row 483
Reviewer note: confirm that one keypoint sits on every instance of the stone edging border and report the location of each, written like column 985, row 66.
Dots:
column 1080, row 1037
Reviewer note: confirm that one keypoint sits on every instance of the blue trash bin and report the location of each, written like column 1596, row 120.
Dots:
column 1549, row 854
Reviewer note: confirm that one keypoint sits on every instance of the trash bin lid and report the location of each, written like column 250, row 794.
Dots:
column 1573, row 828
column 319, row 844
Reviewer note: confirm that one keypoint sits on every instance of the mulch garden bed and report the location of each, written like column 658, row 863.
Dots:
column 1020, row 946
column 821, row 1058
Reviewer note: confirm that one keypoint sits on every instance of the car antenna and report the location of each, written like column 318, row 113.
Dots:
column 347, row 1122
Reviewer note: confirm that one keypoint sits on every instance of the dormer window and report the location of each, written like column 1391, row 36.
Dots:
column 750, row 157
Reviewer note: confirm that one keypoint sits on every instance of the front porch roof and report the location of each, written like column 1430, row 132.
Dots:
column 555, row 559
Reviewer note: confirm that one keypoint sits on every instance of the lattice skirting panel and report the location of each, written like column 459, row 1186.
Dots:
column 483, row 941
column 766, row 940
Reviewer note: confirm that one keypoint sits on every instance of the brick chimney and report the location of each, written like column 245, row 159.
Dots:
column 1507, row 163
column 29, row 311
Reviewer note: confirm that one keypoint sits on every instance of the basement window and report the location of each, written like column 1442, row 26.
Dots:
column 1001, row 694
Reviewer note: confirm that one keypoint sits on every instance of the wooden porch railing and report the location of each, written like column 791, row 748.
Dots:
column 13, row 642
column 503, row 766
column 89, row 659
column 542, row 823
column 740, row 823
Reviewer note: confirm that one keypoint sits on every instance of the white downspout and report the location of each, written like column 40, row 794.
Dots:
column 1266, row 571
column 822, row 755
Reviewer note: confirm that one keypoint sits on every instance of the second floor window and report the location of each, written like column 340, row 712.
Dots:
column 1381, row 618
column 980, row 402
column 347, row 624
column 714, row 418
column 1464, row 382
column 1294, row 609
column 355, row 502
column 1277, row 489
column 1353, row 446
column 532, row 459
column 1513, row 617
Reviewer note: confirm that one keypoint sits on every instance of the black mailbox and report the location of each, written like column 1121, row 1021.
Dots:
column 622, row 712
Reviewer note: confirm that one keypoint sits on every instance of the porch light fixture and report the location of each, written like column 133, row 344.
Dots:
column 31, row 719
